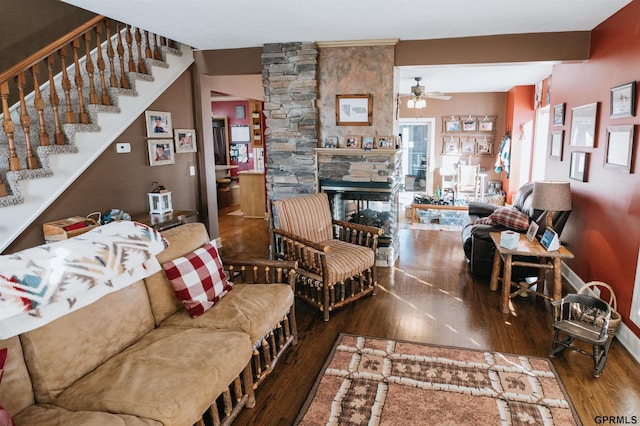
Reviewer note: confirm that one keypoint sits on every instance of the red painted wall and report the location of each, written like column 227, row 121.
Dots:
column 519, row 111
column 604, row 228
column 228, row 109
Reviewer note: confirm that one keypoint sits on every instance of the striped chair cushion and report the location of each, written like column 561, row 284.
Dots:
column 307, row 216
column 345, row 260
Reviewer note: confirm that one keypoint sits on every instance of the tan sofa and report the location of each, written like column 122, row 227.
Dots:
column 136, row 357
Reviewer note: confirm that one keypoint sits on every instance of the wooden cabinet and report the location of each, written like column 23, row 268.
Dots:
column 256, row 124
column 252, row 194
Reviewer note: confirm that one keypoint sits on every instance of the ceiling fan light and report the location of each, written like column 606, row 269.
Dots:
column 421, row 103
column 411, row 103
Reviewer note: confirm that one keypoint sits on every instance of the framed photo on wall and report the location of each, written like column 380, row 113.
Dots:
column 583, row 125
column 623, row 100
column 160, row 152
column 354, row 110
column 451, row 146
column 185, row 140
column 158, row 124
column 469, row 125
column 619, row 148
column 557, row 139
column 558, row 114
column 579, row 166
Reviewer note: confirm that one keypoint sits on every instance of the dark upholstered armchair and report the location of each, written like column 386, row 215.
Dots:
column 478, row 246
column 336, row 259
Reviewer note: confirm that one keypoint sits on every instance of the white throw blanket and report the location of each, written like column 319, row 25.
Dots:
column 43, row 283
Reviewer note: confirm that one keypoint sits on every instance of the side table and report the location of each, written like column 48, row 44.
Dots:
column 161, row 222
column 529, row 249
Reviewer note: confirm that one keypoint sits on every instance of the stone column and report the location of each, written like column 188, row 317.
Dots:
column 289, row 75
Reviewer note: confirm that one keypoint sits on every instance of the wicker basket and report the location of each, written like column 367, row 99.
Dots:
column 616, row 319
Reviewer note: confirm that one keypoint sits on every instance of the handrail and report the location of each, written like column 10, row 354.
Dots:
column 46, row 51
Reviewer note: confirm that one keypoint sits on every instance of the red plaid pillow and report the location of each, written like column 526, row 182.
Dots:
column 5, row 417
column 198, row 279
column 511, row 218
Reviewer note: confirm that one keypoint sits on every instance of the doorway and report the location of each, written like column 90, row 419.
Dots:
column 417, row 153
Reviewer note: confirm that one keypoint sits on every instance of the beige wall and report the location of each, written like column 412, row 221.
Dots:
column 462, row 104
column 356, row 70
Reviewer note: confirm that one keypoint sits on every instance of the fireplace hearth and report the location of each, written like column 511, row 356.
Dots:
column 369, row 203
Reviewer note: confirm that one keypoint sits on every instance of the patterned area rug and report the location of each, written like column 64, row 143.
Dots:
column 373, row 381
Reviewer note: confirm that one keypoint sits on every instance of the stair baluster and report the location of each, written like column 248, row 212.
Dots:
column 147, row 51
column 55, row 102
column 9, row 127
column 113, row 79
column 88, row 64
column 82, row 112
column 25, row 122
column 124, row 80
column 129, row 39
column 157, row 51
column 142, row 69
column 69, row 114
column 104, row 99
column 39, row 105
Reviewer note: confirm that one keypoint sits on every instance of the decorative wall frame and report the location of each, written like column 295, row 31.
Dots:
column 623, row 100
column 618, row 152
column 558, row 114
column 451, row 125
column 330, row 142
column 240, row 133
column 556, row 144
column 451, row 146
column 579, row 166
column 352, row 142
column 468, row 146
column 158, row 124
column 385, row 142
column 487, row 124
column 160, row 152
column 185, row 140
column 354, row 110
column 469, row 124
column 583, row 125
column 484, row 146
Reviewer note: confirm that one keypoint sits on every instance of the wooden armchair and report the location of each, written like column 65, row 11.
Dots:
column 336, row 259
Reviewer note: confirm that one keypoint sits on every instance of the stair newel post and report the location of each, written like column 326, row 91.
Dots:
column 69, row 115
column 147, row 46
column 124, row 81
column 39, row 105
column 25, row 122
column 157, row 51
column 104, row 98
column 142, row 69
column 82, row 114
column 55, row 102
column 88, row 64
column 113, row 79
column 129, row 39
column 9, row 127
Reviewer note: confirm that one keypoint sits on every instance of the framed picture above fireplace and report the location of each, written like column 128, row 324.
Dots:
column 354, row 110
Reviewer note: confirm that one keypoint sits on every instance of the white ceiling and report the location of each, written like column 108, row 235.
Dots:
column 224, row 24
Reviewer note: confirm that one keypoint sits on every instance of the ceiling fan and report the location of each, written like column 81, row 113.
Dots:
column 419, row 96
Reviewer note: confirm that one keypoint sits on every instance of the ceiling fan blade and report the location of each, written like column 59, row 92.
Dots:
column 438, row 95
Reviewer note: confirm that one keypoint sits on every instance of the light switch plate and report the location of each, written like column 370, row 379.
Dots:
column 123, row 147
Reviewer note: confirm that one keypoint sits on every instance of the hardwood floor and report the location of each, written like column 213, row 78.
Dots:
column 429, row 296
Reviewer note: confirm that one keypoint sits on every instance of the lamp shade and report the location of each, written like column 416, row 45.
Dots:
column 551, row 196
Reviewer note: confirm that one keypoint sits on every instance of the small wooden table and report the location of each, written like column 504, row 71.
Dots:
column 161, row 222
column 415, row 207
column 530, row 249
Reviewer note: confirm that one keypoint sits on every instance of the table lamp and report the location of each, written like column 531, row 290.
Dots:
column 551, row 196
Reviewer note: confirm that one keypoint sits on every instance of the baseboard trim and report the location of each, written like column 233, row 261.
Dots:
column 625, row 336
